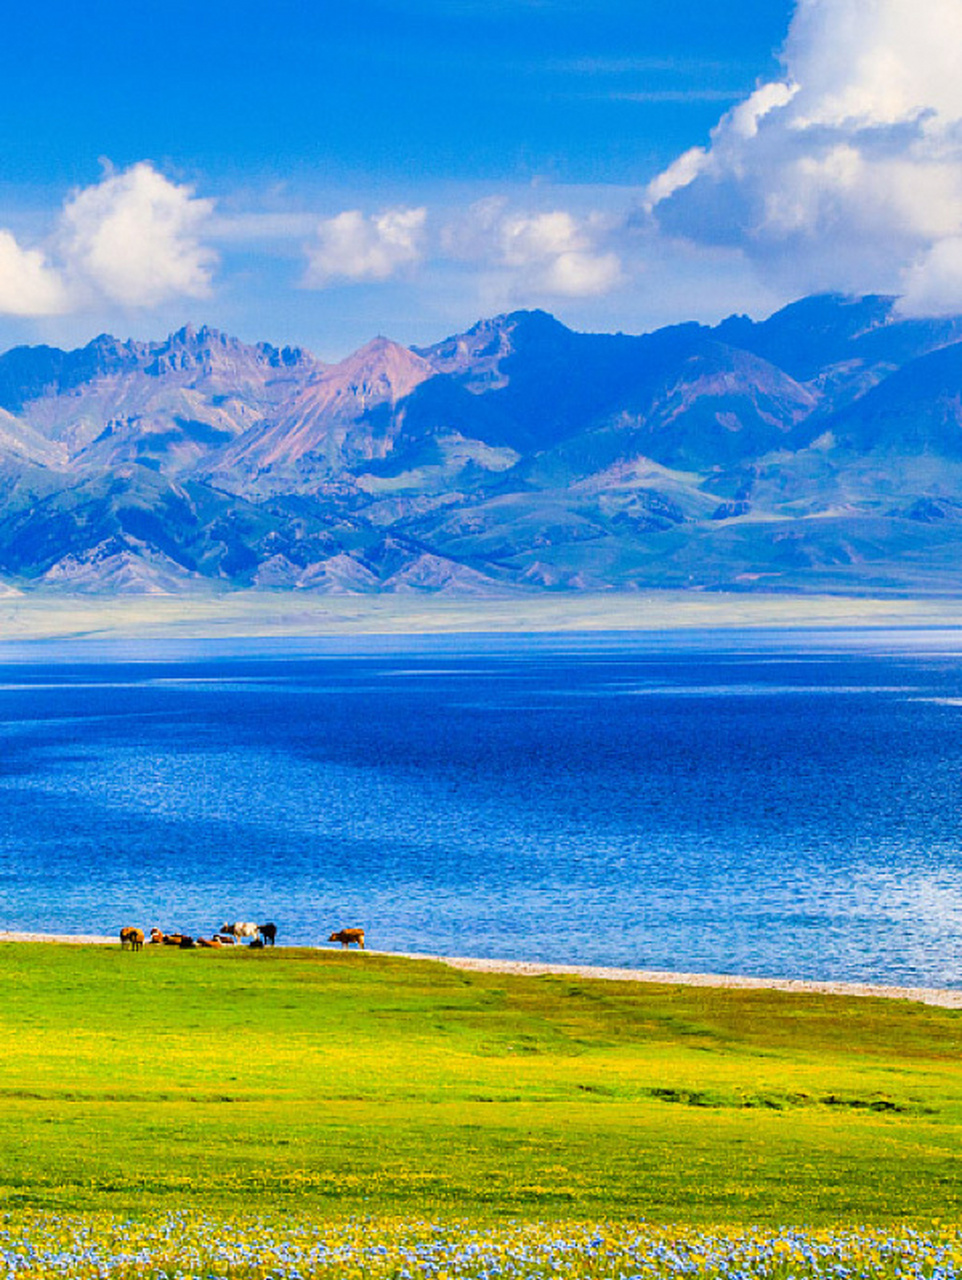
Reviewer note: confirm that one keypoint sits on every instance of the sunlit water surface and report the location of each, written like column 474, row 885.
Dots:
column 786, row 805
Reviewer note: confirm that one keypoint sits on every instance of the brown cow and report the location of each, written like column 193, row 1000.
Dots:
column 132, row 938
column 346, row 936
column 171, row 939
column 209, row 942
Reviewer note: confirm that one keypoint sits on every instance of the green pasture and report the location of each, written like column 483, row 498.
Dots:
column 349, row 1082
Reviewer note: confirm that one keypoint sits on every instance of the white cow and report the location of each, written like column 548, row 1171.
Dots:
column 242, row 930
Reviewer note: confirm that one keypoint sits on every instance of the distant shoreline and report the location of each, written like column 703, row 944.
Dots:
column 251, row 615
column 940, row 997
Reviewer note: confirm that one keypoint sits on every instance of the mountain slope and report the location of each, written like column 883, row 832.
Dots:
column 818, row 449
column 917, row 409
column 162, row 404
column 341, row 416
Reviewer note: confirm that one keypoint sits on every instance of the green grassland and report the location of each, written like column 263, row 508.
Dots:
column 346, row 1082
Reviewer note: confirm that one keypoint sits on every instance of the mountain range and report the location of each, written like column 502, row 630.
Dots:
column 817, row 450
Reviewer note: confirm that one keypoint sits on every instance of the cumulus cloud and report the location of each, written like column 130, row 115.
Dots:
column 847, row 172
column 932, row 285
column 29, row 286
column 548, row 252
column 352, row 247
column 134, row 238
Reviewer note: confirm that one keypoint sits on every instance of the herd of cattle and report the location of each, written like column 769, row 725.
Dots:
column 229, row 935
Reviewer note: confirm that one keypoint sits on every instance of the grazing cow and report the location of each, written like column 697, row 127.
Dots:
column 268, row 932
column 346, row 936
column 243, row 930
column 132, row 938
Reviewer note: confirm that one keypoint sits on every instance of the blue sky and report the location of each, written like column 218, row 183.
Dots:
column 379, row 93
column 318, row 173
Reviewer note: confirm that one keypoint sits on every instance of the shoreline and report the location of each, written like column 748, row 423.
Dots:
column 42, row 619
column 938, row 997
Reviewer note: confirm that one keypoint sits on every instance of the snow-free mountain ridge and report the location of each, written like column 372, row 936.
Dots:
column 820, row 449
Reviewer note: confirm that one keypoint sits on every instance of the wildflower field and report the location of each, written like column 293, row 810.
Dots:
column 330, row 1087
column 186, row 1245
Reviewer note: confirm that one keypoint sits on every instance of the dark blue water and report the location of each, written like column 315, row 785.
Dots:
column 789, row 806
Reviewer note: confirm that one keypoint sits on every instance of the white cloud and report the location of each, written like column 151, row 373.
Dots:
column 132, row 239
column 527, row 238
column 29, row 286
column 135, row 239
column 546, row 252
column 863, row 63
column 582, row 275
column 358, row 248
column 932, row 285
column 847, row 173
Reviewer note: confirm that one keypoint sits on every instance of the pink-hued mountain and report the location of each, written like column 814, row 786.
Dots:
column 339, row 417
column 166, row 404
column 818, row 449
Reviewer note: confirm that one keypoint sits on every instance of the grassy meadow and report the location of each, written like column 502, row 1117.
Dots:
column 348, row 1083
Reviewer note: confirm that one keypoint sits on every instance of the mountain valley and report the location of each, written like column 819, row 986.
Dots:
column 818, row 450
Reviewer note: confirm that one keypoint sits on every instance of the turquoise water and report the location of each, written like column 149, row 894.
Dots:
column 786, row 805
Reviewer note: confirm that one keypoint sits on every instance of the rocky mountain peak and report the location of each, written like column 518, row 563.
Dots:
column 27, row 373
column 210, row 352
column 476, row 355
column 818, row 449
column 191, row 348
column 381, row 370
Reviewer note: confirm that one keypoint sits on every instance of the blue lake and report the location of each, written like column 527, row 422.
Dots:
column 784, row 805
